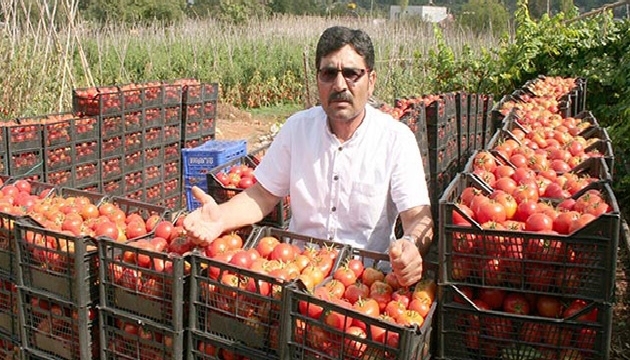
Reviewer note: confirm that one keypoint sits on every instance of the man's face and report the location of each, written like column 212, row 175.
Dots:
column 344, row 84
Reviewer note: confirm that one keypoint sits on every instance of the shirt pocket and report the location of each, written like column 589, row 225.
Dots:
column 363, row 204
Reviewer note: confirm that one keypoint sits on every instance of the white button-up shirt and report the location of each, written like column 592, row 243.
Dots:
column 349, row 192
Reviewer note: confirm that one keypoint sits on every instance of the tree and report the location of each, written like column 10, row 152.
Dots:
column 135, row 11
column 484, row 15
column 403, row 5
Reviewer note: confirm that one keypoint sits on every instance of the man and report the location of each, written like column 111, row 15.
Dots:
column 350, row 169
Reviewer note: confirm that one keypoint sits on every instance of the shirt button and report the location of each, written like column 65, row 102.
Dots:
column 331, row 238
column 340, row 148
column 336, row 177
column 333, row 209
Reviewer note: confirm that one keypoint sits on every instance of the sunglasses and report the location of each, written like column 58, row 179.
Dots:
column 329, row 74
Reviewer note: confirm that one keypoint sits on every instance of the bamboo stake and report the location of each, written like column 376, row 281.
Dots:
column 597, row 11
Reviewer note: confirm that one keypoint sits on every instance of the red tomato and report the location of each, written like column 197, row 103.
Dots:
column 242, row 259
column 345, row 275
column 355, row 347
column 492, row 297
column 356, row 266
column 490, row 210
column 548, row 306
column 577, row 306
column 516, row 303
column 370, row 275
column 266, row 245
column 356, row 291
column 538, row 222
column 282, row 252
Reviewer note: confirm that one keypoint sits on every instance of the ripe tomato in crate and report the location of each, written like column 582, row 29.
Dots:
column 240, row 298
column 23, row 162
column 86, row 173
column 111, row 125
column 111, row 167
column 10, row 348
column 85, row 128
column 172, row 115
column 154, row 117
column 470, row 328
column 134, row 161
column 154, row 155
column 133, row 120
column 575, row 257
column 361, row 312
column 58, row 157
column 55, row 328
column 172, row 134
column 87, row 150
column 97, row 101
column 26, row 134
column 9, row 315
column 172, row 94
column 131, row 337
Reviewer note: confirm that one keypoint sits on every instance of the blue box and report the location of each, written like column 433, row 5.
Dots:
column 202, row 159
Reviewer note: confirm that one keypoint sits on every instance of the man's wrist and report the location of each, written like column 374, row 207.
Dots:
column 412, row 238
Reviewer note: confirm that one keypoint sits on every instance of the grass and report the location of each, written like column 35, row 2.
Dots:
column 266, row 62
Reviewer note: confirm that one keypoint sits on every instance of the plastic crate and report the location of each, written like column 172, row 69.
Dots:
column 153, row 117
column 97, row 101
column 133, row 161
column 438, row 160
column 467, row 332
column 153, row 194
column 133, row 181
column 86, row 173
column 172, row 94
column 85, row 128
column 58, row 157
column 202, row 159
column 111, row 167
column 86, row 151
column 10, row 348
column 581, row 264
column 172, row 187
column 113, row 186
column 416, row 121
column 136, row 194
column 173, row 202
column 257, row 154
column 9, row 311
column 452, row 150
column 91, row 187
column 153, row 155
column 172, row 134
column 3, row 164
column 137, row 207
column 194, row 93
column 24, row 136
column 133, row 141
column 124, row 336
column 60, row 177
column 172, row 151
column 25, row 162
column 111, row 125
column 312, row 338
column 436, row 113
column 251, row 320
column 172, row 115
column 57, row 128
column 112, row 146
column 151, row 285
column 57, row 263
column 153, row 136
column 153, row 174
column 153, row 93
column 172, row 169
column 57, row 329
column 133, row 120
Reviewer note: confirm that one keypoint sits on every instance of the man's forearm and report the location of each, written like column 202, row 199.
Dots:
column 418, row 224
column 248, row 207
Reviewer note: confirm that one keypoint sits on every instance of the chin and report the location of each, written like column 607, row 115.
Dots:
column 345, row 115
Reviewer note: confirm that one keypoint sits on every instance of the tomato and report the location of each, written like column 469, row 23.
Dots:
column 368, row 307
column 403, row 295
column 538, row 222
column 370, row 275
column 356, row 266
column 317, row 276
column 22, row 185
column 266, row 245
column 425, row 290
column 324, row 263
column 382, row 293
column 467, row 291
column 525, row 209
column 282, row 252
column 549, row 306
column 354, row 348
column 234, row 241
column 216, row 247
column 490, row 210
column 312, row 310
column 484, row 160
column 89, row 211
column 491, row 296
column 107, row 229
column 507, row 201
column 392, row 280
column 395, row 309
column 422, row 307
column 152, row 222
column 258, row 287
column 461, row 220
column 242, row 259
column 468, row 194
column 163, row 229
column 345, row 275
column 516, row 303
column 503, row 171
column 410, row 318
column 135, row 229
column 580, row 306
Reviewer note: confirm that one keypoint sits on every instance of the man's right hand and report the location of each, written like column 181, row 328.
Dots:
column 204, row 224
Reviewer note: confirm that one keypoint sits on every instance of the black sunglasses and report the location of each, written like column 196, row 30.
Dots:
column 329, row 74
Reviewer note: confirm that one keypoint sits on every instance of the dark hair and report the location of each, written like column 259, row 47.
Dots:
column 336, row 37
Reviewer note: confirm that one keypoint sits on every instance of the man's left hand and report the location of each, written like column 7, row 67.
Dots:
column 406, row 262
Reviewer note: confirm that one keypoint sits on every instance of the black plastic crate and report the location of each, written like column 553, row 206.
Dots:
column 86, row 173
column 57, row 128
column 58, row 157
column 112, row 146
column 194, row 113
column 173, row 115
column 24, row 136
column 85, row 128
column 153, row 155
column 112, row 167
column 3, row 163
column 469, row 332
column 172, row 169
column 172, row 187
column 278, row 217
column 97, row 101
column 132, row 181
column 153, row 117
column 416, row 121
column 9, row 310
column 153, row 136
column 172, row 151
column 111, row 125
column 56, row 329
column 147, row 283
column 137, row 207
column 172, row 94
column 153, row 174
column 154, row 93
column 436, row 112
column 222, row 303
column 26, row 161
column 133, row 161
column 86, row 150
column 133, row 119
column 10, row 348
column 438, row 160
column 452, row 150
column 172, row 134
column 581, row 264
column 173, row 202
column 57, row 263
column 113, row 186
column 133, row 141
column 200, row 93
column 309, row 337
column 208, row 125
column 153, row 194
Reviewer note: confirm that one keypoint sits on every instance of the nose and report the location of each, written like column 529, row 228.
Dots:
column 340, row 84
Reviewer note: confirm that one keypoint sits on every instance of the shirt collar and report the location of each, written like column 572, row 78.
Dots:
column 358, row 133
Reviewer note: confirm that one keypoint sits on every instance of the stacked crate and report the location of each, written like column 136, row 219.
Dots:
column 488, row 103
column 199, row 109
column 463, row 148
column 24, row 149
column 4, row 167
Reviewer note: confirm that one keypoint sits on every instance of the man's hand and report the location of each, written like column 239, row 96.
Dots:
column 204, row 224
column 406, row 262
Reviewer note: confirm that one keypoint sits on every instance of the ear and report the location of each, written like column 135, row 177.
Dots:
column 371, row 82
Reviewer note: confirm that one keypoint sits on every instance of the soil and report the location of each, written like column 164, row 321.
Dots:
column 233, row 123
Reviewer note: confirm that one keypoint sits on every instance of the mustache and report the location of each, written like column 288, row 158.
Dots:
column 340, row 96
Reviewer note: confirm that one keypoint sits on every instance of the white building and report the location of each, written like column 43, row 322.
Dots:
column 428, row 13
